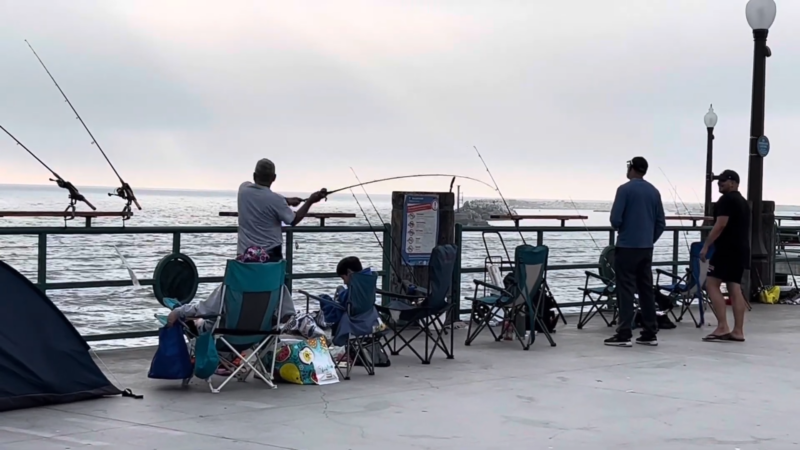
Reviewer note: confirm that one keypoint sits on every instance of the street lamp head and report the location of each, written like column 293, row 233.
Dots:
column 711, row 118
column 760, row 14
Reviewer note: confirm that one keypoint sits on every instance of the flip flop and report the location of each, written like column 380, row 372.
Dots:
column 716, row 338
column 729, row 337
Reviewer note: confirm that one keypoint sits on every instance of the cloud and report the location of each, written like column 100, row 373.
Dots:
column 557, row 95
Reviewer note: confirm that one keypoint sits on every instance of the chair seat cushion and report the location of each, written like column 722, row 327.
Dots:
column 599, row 290
column 489, row 300
column 675, row 287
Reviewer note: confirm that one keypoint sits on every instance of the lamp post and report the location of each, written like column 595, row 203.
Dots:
column 710, row 120
column 760, row 15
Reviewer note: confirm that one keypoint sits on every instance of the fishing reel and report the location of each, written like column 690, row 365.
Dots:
column 74, row 197
column 125, row 192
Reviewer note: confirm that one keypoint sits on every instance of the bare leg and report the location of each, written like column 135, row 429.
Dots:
column 718, row 302
column 739, row 307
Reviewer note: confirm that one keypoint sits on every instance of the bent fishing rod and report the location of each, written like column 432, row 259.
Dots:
column 125, row 191
column 421, row 175
column 497, row 188
column 380, row 243
column 74, row 195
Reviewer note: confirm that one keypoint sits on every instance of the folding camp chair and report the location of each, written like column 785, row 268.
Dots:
column 251, row 299
column 521, row 304
column 601, row 299
column 405, row 310
column 356, row 329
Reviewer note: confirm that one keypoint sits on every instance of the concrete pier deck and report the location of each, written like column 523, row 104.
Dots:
column 684, row 394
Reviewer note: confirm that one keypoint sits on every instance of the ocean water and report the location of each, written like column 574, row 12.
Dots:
column 107, row 310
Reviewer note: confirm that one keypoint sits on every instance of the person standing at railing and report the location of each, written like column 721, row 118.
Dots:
column 262, row 214
column 638, row 217
column 731, row 239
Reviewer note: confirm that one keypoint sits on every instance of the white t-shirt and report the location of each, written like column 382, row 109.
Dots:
column 261, row 215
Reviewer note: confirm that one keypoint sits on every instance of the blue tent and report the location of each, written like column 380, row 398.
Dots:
column 43, row 359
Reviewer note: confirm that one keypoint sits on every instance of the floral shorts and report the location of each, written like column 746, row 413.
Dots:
column 254, row 255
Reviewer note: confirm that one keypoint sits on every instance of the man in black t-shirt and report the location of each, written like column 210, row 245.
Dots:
column 731, row 239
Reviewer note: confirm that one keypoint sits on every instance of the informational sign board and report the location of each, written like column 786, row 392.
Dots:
column 420, row 228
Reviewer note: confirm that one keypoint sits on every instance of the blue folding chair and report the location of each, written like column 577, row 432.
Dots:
column 427, row 308
column 356, row 329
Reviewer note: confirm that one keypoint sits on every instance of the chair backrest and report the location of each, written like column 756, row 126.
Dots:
column 606, row 262
column 530, row 268
column 252, row 297
column 440, row 274
column 361, row 292
column 699, row 269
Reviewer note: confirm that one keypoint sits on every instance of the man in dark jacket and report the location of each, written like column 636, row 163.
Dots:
column 638, row 217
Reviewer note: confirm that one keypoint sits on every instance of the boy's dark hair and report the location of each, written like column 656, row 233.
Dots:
column 351, row 263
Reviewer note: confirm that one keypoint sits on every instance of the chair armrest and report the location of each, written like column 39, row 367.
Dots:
column 601, row 278
column 420, row 290
column 319, row 299
column 502, row 291
column 668, row 274
column 399, row 296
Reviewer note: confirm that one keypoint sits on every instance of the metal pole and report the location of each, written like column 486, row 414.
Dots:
column 755, row 169
column 709, row 170
column 709, row 181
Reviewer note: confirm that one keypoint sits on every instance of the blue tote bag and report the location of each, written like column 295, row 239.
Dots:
column 171, row 361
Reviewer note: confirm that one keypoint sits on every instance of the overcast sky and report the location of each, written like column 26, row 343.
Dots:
column 557, row 95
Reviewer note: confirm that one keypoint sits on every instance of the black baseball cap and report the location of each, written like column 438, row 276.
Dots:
column 638, row 164
column 728, row 175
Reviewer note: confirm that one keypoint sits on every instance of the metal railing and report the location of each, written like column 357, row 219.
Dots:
column 44, row 232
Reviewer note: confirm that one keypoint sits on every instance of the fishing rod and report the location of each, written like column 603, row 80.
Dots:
column 125, row 191
column 596, row 245
column 497, row 188
column 74, row 195
column 394, row 244
column 421, row 175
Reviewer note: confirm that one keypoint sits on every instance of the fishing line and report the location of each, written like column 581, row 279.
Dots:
column 497, row 188
column 686, row 208
column 125, row 191
column 391, row 239
column 377, row 238
column 597, row 246
column 74, row 195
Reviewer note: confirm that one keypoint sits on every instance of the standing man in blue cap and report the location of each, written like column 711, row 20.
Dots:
column 638, row 217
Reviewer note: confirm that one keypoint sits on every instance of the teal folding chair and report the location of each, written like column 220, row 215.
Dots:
column 252, row 294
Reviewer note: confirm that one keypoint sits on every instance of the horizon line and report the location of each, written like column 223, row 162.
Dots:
column 31, row 185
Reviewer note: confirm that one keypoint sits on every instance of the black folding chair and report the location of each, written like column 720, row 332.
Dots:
column 427, row 308
column 601, row 297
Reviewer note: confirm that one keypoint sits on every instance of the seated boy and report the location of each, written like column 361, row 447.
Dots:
column 344, row 269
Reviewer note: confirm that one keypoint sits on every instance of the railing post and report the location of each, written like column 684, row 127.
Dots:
column 676, row 238
column 289, row 257
column 386, row 280
column 41, row 269
column 456, row 289
column 540, row 238
column 611, row 238
column 176, row 242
